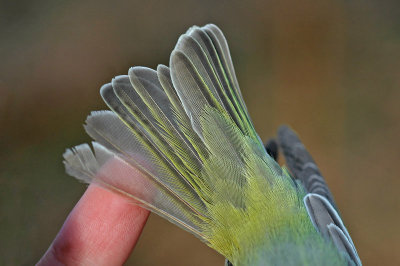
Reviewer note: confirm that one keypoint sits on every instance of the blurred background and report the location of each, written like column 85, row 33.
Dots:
column 330, row 69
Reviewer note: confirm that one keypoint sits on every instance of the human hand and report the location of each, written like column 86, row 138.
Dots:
column 102, row 229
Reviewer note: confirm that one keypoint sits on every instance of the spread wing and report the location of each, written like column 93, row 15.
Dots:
column 179, row 141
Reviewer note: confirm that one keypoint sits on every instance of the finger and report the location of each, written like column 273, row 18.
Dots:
column 102, row 229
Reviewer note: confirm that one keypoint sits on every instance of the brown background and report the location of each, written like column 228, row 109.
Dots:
column 330, row 69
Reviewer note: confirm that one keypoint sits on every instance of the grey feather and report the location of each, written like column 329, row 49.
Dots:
column 80, row 162
column 201, row 46
column 343, row 244
column 301, row 164
column 202, row 71
column 221, row 46
column 319, row 200
column 193, row 93
column 323, row 216
column 114, row 172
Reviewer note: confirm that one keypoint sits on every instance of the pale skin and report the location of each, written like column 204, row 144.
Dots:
column 102, row 229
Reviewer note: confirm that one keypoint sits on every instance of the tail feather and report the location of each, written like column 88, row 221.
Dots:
column 106, row 128
column 182, row 119
column 81, row 163
column 199, row 63
column 221, row 46
column 227, row 73
column 115, row 172
column 185, row 155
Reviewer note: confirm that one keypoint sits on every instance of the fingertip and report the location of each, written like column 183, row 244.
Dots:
column 102, row 229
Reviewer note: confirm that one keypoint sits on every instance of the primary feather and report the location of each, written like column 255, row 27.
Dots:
column 180, row 142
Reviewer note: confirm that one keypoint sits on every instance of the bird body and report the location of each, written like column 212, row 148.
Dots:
column 187, row 150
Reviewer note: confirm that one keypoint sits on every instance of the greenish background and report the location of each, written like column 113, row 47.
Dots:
column 330, row 69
